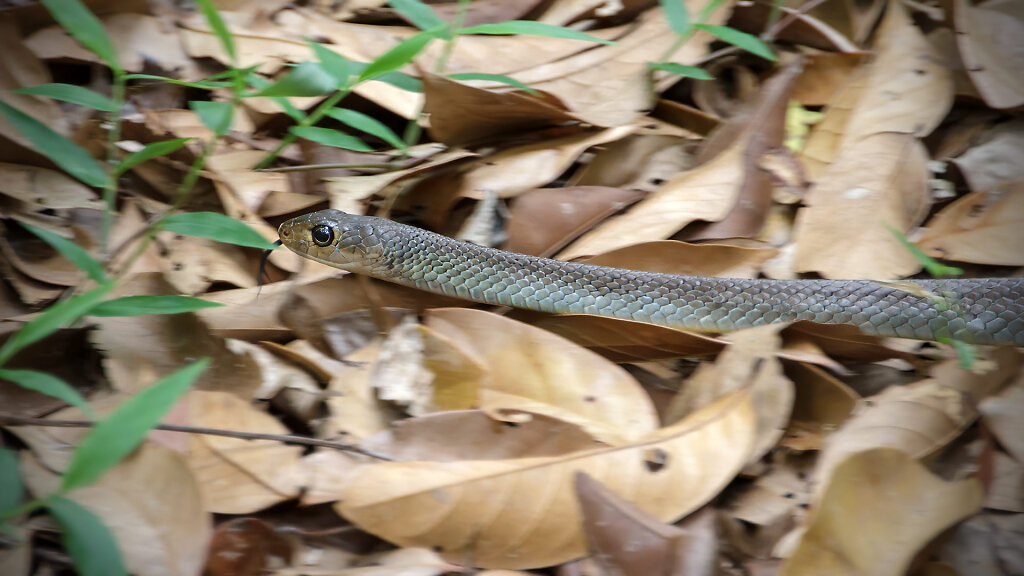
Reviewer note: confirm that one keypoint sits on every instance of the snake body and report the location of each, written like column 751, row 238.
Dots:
column 980, row 310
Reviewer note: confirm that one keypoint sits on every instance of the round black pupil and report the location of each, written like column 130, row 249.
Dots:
column 322, row 235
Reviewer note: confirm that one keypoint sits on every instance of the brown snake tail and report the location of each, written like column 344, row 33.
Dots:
column 979, row 311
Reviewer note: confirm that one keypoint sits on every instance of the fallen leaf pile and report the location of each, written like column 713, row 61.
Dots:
column 444, row 438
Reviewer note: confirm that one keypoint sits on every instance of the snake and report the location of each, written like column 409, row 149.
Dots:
column 973, row 310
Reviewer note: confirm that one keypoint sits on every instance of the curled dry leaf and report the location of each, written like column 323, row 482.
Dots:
column 522, row 513
column 875, row 513
column 985, row 227
column 922, row 417
column 239, row 476
column 878, row 181
column 994, row 161
column 157, row 536
column 988, row 34
column 905, row 89
column 523, row 370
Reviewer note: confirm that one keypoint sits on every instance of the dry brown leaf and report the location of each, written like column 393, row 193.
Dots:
column 544, row 220
column 822, row 404
column 824, row 73
column 526, row 370
column 522, row 513
column 44, row 189
column 152, row 504
column 462, row 114
column 804, row 29
column 246, row 547
column 20, row 68
column 767, row 510
column 988, row 34
column 905, row 89
column 642, row 161
column 878, row 181
column 985, row 227
column 751, row 361
column 672, row 257
column 625, row 340
column 1002, row 416
column 36, row 260
column 623, row 539
column 234, row 168
column 400, row 375
column 995, row 160
column 874, row 515
column 138, row 40
column 1004, row 488
column 922, row 417
column 239, row 476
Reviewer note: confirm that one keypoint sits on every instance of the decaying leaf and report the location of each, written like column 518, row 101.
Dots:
column 984, row 227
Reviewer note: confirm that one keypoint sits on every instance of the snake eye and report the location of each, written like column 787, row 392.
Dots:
column 322, row 235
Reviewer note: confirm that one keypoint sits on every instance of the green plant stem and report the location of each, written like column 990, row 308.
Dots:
column 24, row 509
column 110, row 190
column 309, row 120
column 413, row 130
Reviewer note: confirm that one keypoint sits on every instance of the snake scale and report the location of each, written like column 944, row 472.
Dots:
column 980, row 310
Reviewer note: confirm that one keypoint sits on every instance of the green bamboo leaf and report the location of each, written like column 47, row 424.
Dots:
column 73, row 252
column 494, row 78
column 125, row 428
column 421, row 15
column 87, row 539
column 52, row 319
column 207, row 84
column 400, row 55
column 11, row 488
column 748, row 42
column 333, row 63
column 681, row 70
column 260, row 83
column 148, row 152
column 71, row 93
column 215, row 227
column 531, row 28
column 83, row 26
column 220, row 29
column 50, row 385
column 933, row 266
column 365, row 123
column 216, row 116
column 677, row 15
column 329, row 137
column 63, row 152
column 304, row 79
column 145, row 305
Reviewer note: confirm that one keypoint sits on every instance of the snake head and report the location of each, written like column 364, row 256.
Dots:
column 347, row 241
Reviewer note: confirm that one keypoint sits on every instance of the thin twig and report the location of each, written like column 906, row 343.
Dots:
column 11, row 419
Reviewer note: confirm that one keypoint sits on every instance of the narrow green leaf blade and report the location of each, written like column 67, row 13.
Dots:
column 87, row 539
column 494, row 78
column 115, row 437
column 333, row 63
column 83, row 26
column 64, row 153
column 216, row 116
column 676, row 14
column 145, row 305
column 216, row 227
column 218, row 26
column 52, row 319
column 398, row 56
column 748, row 42
column 531, row 28
column 71, row 93
column 329, row 137
column 148, row 152
column 202, row 84
column 50, row 385
column 73, row 252
column 681, row 70
column 421, row 15
column 11, row 489
column 304, row 79
column 933, row 266
column 367, row 124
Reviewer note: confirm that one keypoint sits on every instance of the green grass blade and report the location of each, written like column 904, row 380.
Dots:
column 87, row 539
column 148, row 152
column 367, row 124
column 333, row 63
column 112, row 439
column 63, row 152
column 677, row 15
column 220, row 29
column 52, row 319
column 304, row 79
column 531, row 28
column 145, row 305
column 11, row 488
column 421, row 15
column 73, row 252
column 681, row 70
column 216, row 116
column 329, row 137
column 748, row 42
column 400, row 55
column 71, row 93
column 83, row 26
column 50, row 385
column 216, row 227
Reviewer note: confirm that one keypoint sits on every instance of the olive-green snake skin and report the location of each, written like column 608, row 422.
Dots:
column 981, row 311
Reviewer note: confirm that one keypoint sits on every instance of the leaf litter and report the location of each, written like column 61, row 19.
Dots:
column 521, row 441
